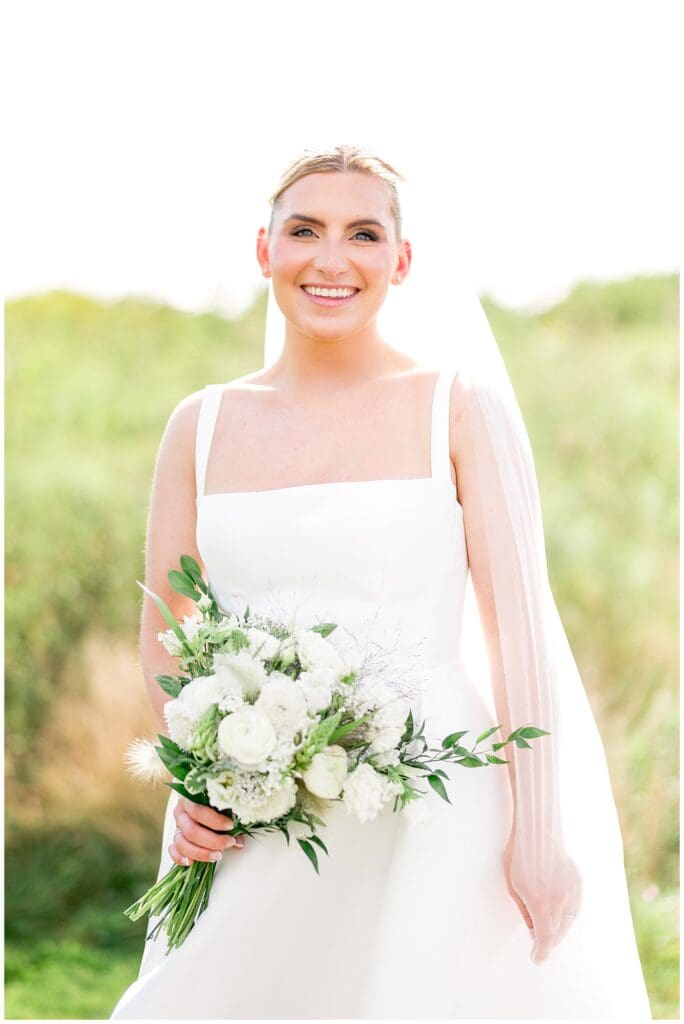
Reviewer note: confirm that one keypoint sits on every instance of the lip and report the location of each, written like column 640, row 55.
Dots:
column 322, row 300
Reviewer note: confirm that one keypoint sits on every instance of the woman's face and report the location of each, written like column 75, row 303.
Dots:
column 333, row 231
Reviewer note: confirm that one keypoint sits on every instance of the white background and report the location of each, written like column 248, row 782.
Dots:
column 145, row 137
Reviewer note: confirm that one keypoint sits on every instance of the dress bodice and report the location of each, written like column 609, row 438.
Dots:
column 384, row 558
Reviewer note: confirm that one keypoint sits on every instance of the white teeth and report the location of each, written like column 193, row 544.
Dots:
column 331, row 293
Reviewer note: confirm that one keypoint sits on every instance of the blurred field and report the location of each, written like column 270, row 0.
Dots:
column 89, row 389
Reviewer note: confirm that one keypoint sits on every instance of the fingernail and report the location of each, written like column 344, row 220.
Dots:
column 239, row 843
column 216, row 855
column 186, row 861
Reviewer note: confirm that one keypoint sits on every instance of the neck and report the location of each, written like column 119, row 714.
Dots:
column 314, row 363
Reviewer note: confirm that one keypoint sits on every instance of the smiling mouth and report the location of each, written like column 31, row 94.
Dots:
column 329, row 296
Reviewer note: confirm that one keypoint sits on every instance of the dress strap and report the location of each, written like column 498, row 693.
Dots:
column 206, row 421
column 440, row 424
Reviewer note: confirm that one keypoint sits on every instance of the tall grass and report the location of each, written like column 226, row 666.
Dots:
column 89, row 388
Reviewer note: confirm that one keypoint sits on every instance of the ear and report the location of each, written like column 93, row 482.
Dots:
column 262, row 253
column 403, row 263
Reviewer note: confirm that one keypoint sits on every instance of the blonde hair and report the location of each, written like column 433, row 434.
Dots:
column 341, row 158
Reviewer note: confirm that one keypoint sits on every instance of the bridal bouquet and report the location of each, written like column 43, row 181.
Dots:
column 273, row 724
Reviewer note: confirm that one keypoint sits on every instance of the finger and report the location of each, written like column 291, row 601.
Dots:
column 545, row 929
column 201, row 836
column 176, row 857
column 208, row 816
column 186, row 848
column 567, row 921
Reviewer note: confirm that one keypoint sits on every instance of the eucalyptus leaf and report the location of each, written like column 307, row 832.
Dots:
column 319, row 842
column 495, row 760
column 453, row 738
column 470, row 761
column 530, row 732
column 523, row 743
column 324, row 628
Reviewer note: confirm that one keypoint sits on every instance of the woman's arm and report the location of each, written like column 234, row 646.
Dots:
column 171, row 527
column 498, row 492
column 170, row 534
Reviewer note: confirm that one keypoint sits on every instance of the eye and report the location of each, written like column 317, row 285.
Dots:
column 297, row 231
column 369, row 234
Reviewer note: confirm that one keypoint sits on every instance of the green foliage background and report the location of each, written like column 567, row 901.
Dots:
column 89, row 389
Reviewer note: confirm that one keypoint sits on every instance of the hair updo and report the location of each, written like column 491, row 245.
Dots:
column 341, row 158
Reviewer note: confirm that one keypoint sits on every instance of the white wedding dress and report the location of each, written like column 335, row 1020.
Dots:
column 407, row 919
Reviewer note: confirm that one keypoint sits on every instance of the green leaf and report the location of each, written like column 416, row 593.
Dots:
column 168, row 617
column 178, row 766
column 408, row 729
column 169, row 744
column 522, row 743
column 530, row 732
column 347, row 727
column 310, row 852
column 438, row 787
column 182, row 585
column 319, row 842
column 192, row 569
column 498, row 746
column 470, row 761
column 453, row 738
column 170, row 685
column 495, row 760
column 487, row 733
column 440, row 771
column 324, row 628
column 196, row 798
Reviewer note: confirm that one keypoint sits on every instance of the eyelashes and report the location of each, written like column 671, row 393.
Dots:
column 370, row 234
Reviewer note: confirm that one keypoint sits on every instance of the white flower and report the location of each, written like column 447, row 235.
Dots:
column 143, row 761
column 183, row 713
column 204, row 603
column 249, row 672
column 220, row 794
column 314, row 652
column 372, row 693
column 327, row 772
column 366, row 790
column 283, row 703
column 180, row 722
column 273, row 806
column 246, row 736
column 190, row 626
column 386, row 758
column 317, row 687
column 262, row 644
column 170, row 642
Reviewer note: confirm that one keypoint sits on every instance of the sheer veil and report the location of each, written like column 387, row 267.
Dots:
column 566, row 835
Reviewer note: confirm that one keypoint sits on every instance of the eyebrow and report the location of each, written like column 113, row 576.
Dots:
column 321, row 224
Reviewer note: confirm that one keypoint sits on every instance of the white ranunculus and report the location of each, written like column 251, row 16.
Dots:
column 262, row 645
column 383, row 740
column 247, row 736
column 315, row 652
column 327, row 772
column 283, row 703
column 248, row 671
column 365, row 791
column 274, row 806
column 220, row 795
column 317, row 687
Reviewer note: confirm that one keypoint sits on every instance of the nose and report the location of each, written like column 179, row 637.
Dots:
column 331, row 261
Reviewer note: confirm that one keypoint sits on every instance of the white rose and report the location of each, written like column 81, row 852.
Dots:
column 248, row 671
column 317, row 687
column 314, row 651
column 246, row 736
column 262, row 645
column 365, row 791
column 274, row 806
column 327, row 772
column 283, row 703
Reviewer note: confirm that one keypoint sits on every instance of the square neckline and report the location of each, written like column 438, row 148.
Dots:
column 205, row 437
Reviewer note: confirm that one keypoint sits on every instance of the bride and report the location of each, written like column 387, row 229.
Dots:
column 380, row 480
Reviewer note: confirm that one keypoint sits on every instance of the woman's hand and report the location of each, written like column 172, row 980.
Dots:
column 549, row 906
column 194, row 838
